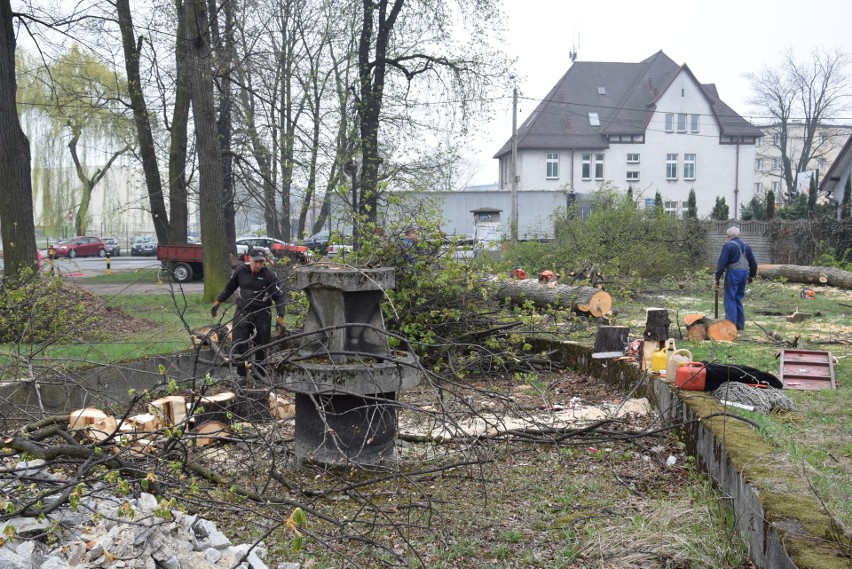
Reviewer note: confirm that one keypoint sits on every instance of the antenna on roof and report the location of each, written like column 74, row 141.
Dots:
column 573, row 53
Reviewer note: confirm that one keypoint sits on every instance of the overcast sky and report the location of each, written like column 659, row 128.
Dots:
column 720, row 41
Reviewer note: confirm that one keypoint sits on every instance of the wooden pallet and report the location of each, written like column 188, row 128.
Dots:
column 807, row 370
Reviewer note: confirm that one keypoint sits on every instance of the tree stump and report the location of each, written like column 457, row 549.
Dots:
column 610, row 341
column 657, row 324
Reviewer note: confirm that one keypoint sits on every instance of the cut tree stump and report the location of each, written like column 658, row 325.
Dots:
column 581, row 299
column 216, row 407
column 610, row 341
column 657, row 324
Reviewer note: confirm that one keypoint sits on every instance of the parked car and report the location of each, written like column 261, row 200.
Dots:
column 113, row 248
column 143, row 246
column 271, row 246
column 317, row 242
column 82, row 246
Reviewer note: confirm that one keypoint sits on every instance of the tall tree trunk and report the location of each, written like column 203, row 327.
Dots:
column 372, row 83
column 213, row 235
column 223, row 48
column 16, row 193
column 178, row 208
column 147, row 150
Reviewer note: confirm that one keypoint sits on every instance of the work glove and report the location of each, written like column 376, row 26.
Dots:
column 214, row 310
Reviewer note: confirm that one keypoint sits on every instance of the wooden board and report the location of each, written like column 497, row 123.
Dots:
column 807, row 370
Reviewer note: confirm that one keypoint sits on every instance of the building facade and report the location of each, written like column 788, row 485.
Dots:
column 650, row 126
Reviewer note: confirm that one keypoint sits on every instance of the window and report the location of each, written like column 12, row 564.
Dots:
column 669, row 122
column 671, row 166
column 758, row 164
column 776, row 188
column 671, row 208
column 693, row 124
column 822, row 139
column 587, row 167
column 758, row 142
column 689, row 166
column 776, row 163
column 758, row 188
column 552, row 160
column 599, row 163
column 776, row 139
column 632, row 158
column 681, row 122
column 594, row 119
column 601, row 90
column 632, row 176
column 821, row 163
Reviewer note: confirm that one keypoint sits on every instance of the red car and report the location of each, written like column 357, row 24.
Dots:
column 79, row 247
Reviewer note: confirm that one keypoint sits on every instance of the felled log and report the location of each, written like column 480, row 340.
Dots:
column 696, row 326
column 171, row 409
column 581, row 299
column 830, row 276
column 722, row 331
column 210, row 432
column 82, row 418
column 280, row 408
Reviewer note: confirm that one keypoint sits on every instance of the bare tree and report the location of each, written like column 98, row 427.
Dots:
column 801, row 96
column 16, row 195
column 147, row 146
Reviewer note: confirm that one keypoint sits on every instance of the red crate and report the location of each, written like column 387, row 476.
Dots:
column 807, row 370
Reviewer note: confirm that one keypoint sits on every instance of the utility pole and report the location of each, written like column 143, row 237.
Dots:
column 514, row 215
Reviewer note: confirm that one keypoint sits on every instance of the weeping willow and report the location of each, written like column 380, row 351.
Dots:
column 81, row 139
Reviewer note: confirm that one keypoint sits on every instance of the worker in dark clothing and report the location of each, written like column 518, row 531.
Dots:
column 258, row 289
column 737, row 262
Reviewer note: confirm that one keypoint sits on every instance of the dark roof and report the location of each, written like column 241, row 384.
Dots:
column 561, row 120
column 841, row 162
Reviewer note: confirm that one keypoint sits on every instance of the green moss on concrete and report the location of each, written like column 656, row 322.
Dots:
column 810, row 536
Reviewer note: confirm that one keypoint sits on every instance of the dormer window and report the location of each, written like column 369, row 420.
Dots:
column 594, row 120
column 601, row 90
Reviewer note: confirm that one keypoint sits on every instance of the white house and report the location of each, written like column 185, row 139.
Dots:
column 650, row 125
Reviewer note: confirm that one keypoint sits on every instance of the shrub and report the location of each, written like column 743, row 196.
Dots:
column 35, row 308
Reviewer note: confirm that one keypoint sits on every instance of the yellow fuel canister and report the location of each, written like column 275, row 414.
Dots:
column 658, row 360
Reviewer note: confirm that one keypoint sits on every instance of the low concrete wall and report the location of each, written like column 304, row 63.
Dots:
column 782, row 522
column 106, row 387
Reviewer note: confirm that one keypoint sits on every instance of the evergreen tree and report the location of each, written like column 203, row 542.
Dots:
column 658, row 205
column 846, row 203
column 754, row 209
column 721, row 210
column 812, row 196
column 770, row 205
column 629, row 196
column 691, row 205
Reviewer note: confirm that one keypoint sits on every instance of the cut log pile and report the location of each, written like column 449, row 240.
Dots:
column 205, row 420
column 584, row 300
column 700, row 327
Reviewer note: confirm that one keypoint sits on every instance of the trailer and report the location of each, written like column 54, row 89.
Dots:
column 183, row 261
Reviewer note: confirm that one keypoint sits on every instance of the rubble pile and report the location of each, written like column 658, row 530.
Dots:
column 109, row 532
